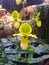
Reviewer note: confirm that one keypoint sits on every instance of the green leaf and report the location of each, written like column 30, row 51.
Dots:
column 39, row 59
column 41, row 49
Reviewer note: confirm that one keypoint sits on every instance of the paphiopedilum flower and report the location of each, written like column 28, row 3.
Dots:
column 18, row 2
column 15, row 18
column 38, row 21
column 25, row 31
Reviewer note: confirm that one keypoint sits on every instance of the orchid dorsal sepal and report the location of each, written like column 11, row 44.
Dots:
column 25, row 29
column 15, row 15
column 34, row 36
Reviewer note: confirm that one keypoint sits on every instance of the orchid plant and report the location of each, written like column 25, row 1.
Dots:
column 25, row 31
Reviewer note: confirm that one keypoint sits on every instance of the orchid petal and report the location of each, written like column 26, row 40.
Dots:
column 34, row 36
column 17, row 34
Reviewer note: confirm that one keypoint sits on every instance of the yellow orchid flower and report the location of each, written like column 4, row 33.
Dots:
column 16, row 19
column 25, row 31
column 18, row 2
column 15, row 16
column 38, row 21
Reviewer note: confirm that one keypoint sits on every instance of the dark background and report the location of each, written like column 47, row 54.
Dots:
column 10, row 5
